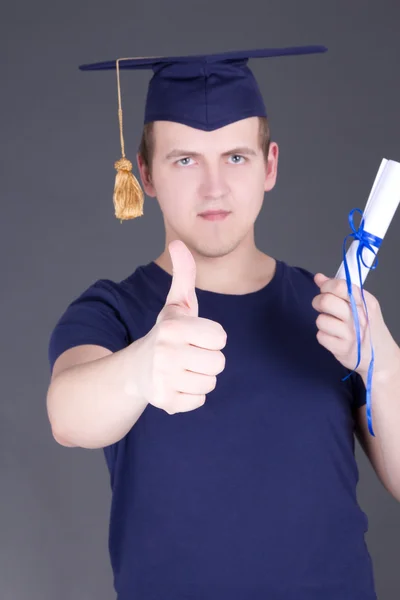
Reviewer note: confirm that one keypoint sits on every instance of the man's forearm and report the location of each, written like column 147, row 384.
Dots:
column 385, row 394
column 96, row 403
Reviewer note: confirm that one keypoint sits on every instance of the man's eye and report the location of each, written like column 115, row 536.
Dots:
column 184, row 161
column 237, row 158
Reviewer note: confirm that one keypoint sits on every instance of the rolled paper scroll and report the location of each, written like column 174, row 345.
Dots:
column 378, row 214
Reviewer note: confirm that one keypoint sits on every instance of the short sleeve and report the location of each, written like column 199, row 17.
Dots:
column 92, row 318
column 359, row 390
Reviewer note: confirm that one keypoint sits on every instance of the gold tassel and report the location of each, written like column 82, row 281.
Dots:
column 128, row 195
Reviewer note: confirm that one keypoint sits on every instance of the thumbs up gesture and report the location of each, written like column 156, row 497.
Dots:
column 183, row 350
column 181, row 299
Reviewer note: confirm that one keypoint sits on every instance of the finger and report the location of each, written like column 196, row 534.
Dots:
column 204, row 333
column 338, row 287
column 207, row 362
column 333, row 344
column 196, row 383
column 334, row 327
column 185, row 403
column 332, row 305
column 340, row 309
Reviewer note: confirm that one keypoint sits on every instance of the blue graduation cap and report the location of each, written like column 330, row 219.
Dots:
column 205, row 91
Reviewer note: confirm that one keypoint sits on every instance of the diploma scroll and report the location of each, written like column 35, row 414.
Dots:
column 378, row 214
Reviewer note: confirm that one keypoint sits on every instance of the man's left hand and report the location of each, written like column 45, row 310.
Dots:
column 336, row 328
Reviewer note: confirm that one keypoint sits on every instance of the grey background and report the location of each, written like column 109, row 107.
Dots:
column 335, row 116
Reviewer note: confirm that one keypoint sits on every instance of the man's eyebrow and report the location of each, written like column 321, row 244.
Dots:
column 241, row 150
column 189, row 153
column 177, row 152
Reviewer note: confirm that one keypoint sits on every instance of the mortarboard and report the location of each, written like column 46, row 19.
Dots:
column 202, row 91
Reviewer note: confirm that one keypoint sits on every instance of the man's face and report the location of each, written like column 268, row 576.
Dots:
column 194, row 171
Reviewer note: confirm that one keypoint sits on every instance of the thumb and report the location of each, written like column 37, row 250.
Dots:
column 320, row 278
column 182, row 292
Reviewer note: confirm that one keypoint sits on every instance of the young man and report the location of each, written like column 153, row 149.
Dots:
column 210, row 380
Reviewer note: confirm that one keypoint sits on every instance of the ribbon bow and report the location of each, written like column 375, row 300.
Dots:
column 366, row 240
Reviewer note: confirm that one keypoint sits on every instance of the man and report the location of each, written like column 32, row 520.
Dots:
column 211, row 381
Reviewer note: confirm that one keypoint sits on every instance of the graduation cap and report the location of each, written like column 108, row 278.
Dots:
column 205, row 91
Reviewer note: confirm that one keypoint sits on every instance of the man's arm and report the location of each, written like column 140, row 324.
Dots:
column 93, row 400
column 383, row 450
column 336, row 332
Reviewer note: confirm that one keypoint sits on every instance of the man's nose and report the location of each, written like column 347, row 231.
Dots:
column 214, row 183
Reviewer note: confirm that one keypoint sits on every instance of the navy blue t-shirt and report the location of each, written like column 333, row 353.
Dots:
column 253, row 495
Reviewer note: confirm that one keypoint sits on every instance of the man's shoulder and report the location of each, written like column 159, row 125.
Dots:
column 299, row 274
column 115, row 286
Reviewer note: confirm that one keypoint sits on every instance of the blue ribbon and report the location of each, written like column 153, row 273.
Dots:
column 366, row 240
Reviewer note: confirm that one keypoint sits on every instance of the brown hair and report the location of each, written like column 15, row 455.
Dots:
column 146, row 147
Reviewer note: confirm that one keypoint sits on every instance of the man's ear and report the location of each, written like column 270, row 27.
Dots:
column 272, row 166
column 145, row 177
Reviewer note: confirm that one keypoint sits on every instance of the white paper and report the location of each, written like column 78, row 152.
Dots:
column 378, row 214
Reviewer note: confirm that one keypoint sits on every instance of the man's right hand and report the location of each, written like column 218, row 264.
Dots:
column 181, row 355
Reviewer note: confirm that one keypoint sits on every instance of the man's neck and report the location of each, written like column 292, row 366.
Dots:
column 224, row 280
